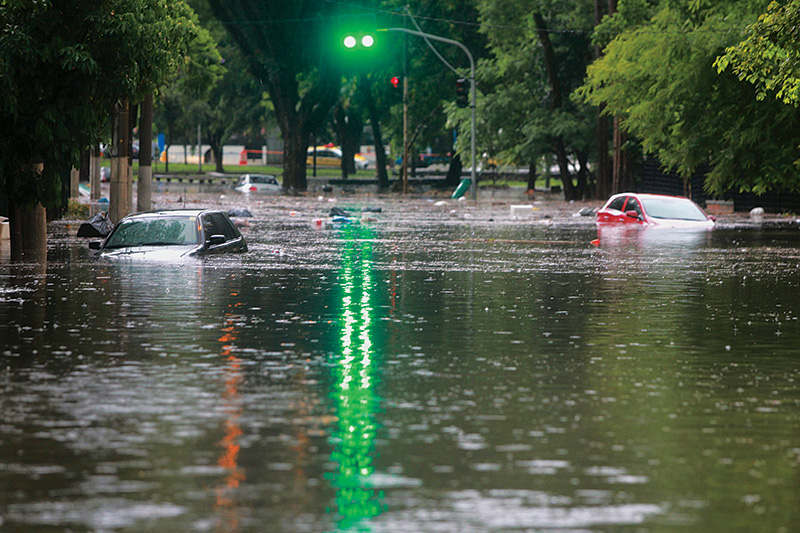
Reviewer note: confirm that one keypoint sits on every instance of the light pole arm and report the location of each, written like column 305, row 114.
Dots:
column 471, row 93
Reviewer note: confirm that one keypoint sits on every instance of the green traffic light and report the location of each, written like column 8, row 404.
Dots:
column 363, row 41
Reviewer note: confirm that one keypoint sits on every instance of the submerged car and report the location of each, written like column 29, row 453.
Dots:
column 653, row 210
column 258, row 183
column 172, row 234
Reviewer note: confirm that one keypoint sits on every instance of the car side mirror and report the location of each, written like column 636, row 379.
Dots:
column 215, row 240
column 95, row 245
column 632, row 214
column 712, row 218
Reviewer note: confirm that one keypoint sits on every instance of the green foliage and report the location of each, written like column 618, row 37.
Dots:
column 284, row 45
column 658, row 76
column 63, row 64
column 769, row 57
column 517, row 121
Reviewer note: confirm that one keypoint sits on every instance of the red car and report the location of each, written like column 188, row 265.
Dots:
column 653, row 210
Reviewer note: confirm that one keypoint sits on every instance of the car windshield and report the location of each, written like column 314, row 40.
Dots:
column 673, row 208
column 154, row 231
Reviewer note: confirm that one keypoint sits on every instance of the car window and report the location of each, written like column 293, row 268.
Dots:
column 633, row 205
column 217, row 224
column 154, row 231
column 674, row 208
column 211, row 227
column 617, row 203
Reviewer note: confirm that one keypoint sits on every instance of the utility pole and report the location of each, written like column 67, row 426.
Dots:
column 199, row 149
column 471, row 102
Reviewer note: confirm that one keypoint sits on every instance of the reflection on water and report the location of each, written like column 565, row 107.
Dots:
column 226, row 503
column 354, row 382
column 425, row 373
column 645, row 238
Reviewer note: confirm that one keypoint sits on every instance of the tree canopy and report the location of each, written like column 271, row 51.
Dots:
column 658, row 74
column 769, row 57
column 287, row 48
column 63, row 64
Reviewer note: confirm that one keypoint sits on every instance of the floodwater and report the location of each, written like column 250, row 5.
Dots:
column 438, row 369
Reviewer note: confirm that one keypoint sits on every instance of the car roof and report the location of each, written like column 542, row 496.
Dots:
column 650, row 195
column 172, row 213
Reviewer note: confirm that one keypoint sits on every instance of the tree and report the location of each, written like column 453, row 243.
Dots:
column 63, row 64
column 658, row 75
column 431, row 82
column 539, row 52
column 769, row 57
column 285, row 44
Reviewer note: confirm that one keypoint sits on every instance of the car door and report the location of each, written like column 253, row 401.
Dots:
column 633, row 205
column 221, row 235
column 613, row 213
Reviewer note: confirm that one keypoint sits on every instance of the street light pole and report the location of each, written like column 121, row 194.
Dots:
column 471, row 95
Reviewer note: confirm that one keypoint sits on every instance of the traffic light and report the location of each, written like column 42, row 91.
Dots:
column 357, row 32
column 354, row 40
column 462, row 92
column 397, row 88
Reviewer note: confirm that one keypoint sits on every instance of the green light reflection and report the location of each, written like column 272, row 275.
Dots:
column 354, row 378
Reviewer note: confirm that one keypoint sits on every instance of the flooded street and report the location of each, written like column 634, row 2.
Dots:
column 441, row 368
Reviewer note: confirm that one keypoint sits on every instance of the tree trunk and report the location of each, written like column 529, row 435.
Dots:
column 295, row 153
column 563, row 167
column 604, row 169
column 298, row 118
column 118, row 190
column 144, row 187
column 349, row 128
column 28, row 228
column 556, row 100
column 374, row 120
column 216, row 149
column 619, row 164
column 94, row 174
column 621, row 178
column 532, row 177
column 583, row 186
column 133, row 115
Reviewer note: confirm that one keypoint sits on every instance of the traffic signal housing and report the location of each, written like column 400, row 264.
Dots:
column 396, row 88
column 462, row 92
column 357, row 33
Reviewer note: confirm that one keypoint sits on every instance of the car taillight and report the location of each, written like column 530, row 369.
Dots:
column 253, row 188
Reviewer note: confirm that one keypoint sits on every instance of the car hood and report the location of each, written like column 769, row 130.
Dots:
column 151, row 253
column 680, row 224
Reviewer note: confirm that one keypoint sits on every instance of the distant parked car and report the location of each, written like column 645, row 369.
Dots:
column 105, row 174
column 653, row 210
column 171, row 235
column 258, row 183
column 331, row 156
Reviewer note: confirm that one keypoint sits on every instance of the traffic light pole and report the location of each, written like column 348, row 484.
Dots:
column 471, row 96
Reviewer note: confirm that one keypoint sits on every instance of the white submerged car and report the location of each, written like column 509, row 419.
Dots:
column 258, row 183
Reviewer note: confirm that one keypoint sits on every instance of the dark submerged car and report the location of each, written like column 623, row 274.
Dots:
column 172, row 234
